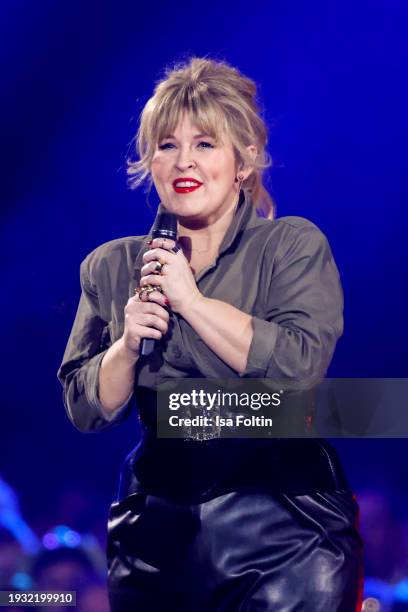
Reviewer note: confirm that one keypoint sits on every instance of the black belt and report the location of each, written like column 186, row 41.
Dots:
column 198, row 470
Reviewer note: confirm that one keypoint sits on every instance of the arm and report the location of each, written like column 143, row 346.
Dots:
column 79, row 371
column 117, row 377
column 303, row 314
column 98, row 378
column 225, row 329
column 117, row 371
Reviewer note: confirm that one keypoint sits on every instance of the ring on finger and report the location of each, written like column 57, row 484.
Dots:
column 146, row 291
column 158, row 267
column 150, row 288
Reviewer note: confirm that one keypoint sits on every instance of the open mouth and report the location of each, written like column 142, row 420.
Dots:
column 186, row 185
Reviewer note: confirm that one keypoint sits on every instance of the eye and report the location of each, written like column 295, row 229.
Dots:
column 166, row 145
column 205, row 144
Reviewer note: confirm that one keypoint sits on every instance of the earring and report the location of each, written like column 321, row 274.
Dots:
column 239, row 179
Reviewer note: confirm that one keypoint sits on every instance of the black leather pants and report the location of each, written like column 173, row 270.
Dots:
column 242, row 551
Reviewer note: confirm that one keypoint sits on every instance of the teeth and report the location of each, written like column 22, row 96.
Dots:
column 186, row 184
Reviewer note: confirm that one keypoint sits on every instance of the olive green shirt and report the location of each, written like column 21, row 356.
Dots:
column 281, row 272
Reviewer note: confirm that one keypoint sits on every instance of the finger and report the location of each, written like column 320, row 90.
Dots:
column 160, row 307
column 156, row 297
column 156, row 305
column 163, row 243
column 151, row 279
column 142, row 331
column 134, row 298
column 145, row 295
column 158, row 254
column 143, row 322
column 151, row 320
column 152, row 267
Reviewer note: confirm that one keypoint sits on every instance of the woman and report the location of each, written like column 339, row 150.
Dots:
column 218, row 524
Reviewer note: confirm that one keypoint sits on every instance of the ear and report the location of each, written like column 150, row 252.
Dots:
column 252, row 151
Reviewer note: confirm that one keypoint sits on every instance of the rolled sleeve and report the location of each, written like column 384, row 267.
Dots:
column 304, row 311
column 261, row 348
column 79, row 372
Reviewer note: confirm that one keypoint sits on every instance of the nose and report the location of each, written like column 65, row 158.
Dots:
column 184, row 159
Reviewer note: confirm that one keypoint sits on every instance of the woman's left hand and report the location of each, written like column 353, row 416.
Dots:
column 176, row 277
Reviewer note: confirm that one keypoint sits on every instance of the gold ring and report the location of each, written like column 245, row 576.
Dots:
column 146, row 290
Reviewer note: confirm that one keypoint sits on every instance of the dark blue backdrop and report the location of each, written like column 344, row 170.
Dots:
column 75, row 77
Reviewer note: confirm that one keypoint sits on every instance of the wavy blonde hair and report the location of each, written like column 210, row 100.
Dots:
column 220, row 100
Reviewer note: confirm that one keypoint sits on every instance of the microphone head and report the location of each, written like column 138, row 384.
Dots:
column 165, row 226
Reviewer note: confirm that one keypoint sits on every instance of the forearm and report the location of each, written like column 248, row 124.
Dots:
column 116, row 376
column 225, row 329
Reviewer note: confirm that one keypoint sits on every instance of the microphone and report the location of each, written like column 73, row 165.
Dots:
column 165, row 226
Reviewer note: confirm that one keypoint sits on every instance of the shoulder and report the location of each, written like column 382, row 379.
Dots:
column 297, row 223
column 289, row 225
column 301, row 241
column 284, row 233
column 111, row 256
column 300, row 231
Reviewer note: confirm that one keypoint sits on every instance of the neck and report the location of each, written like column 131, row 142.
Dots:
column 205, row 235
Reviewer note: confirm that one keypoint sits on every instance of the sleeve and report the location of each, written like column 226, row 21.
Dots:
column 304, row 312
column 79, row 372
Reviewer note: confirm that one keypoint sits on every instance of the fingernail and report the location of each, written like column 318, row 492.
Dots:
column 149, row 241
column 166, row 301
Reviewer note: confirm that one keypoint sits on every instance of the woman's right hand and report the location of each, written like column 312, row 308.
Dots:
column 144, row 318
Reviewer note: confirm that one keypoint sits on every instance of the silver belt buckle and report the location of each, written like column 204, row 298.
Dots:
column 205, row 425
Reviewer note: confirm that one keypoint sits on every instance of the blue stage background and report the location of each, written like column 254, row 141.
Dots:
column 75, row 77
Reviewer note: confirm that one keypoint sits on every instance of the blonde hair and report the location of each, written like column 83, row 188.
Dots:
column 220, row 100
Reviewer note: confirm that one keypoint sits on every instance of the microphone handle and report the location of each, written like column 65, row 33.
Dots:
column 165, row 227
column 147, row 346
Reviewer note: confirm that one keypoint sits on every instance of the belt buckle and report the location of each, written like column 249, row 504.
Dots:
column 206, row 425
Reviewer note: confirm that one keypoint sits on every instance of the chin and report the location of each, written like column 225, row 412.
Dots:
column 184, row 209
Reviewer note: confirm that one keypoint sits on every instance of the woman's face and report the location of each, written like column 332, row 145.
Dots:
column 194, row 175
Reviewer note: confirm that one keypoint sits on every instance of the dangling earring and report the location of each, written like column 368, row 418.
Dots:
column 240, row 179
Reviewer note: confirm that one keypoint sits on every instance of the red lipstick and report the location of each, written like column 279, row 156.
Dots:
column 185, row 184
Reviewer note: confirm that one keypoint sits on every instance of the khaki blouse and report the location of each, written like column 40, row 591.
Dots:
column 282, row 272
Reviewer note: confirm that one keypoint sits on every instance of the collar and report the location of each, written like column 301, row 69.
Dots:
column 245, row 217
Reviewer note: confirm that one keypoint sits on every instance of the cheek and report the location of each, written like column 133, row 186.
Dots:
column 222, row 169
column 158, row 168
